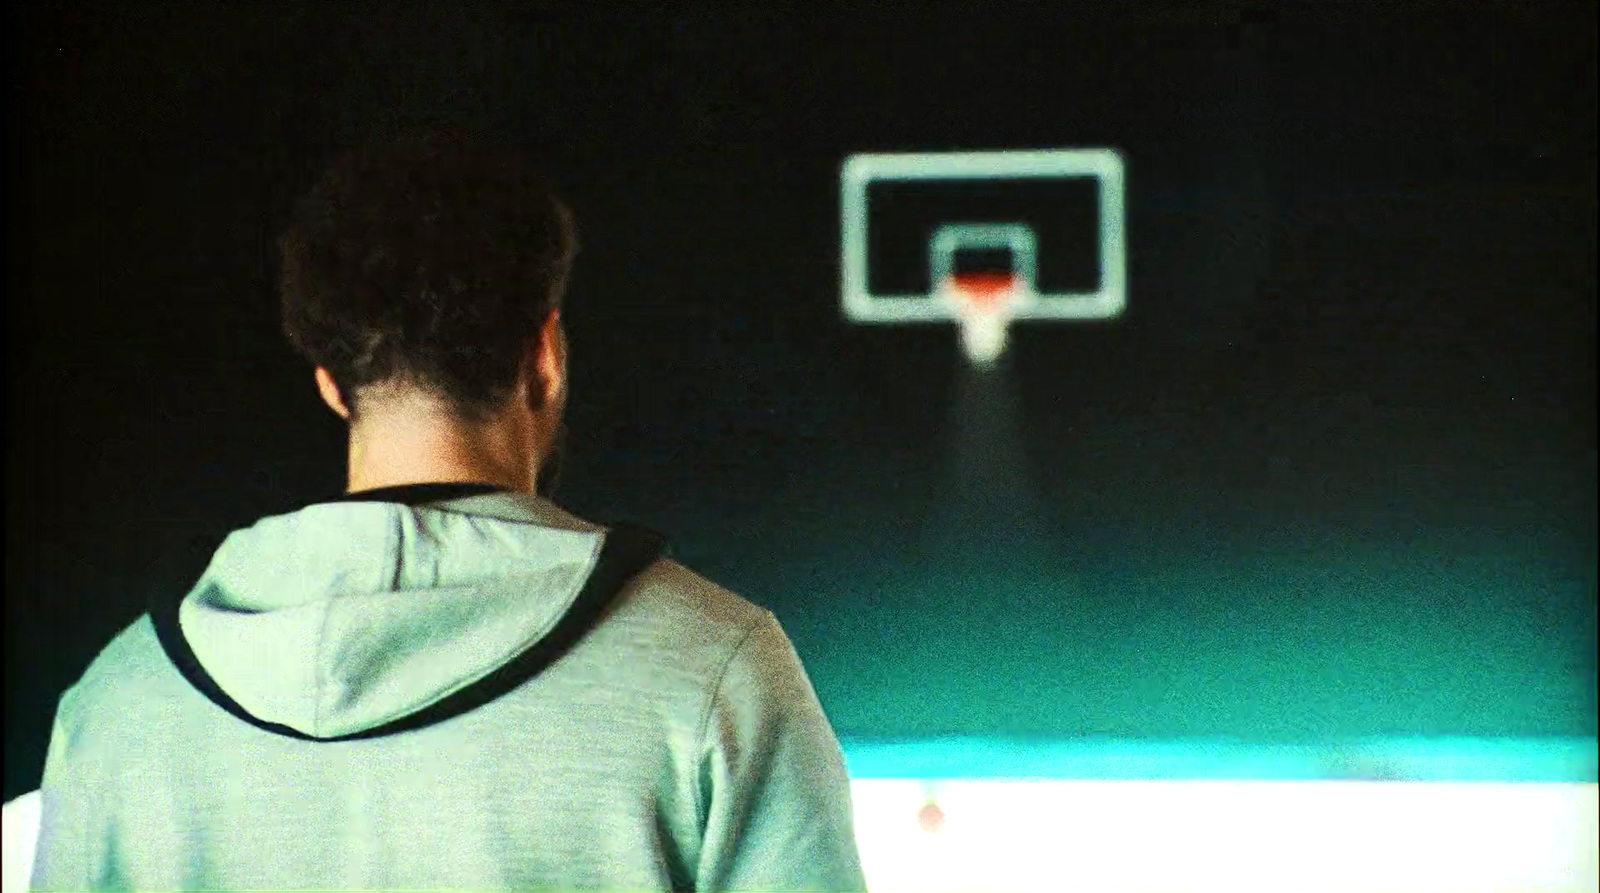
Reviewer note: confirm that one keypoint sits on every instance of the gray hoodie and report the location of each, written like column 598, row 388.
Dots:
column 674, row 743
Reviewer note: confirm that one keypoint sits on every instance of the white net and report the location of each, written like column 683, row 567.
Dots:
column 984, row 310
column 983, row 336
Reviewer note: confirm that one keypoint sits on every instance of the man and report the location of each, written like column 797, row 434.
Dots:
column 442, row 679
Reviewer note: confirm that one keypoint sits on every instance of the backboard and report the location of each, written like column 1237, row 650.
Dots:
column 915, row 227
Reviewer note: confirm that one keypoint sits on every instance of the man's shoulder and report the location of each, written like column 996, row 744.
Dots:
column 133, row 658
column 666, row 616
column 667, row 590
column 670, row 603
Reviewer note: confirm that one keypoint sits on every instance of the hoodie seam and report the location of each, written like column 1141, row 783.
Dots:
column 392, row 550
column 316, row 658
column 711, row 703
column 397, row 534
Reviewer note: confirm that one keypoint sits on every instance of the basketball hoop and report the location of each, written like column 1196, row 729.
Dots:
column 984, row 305
column 1000, row 254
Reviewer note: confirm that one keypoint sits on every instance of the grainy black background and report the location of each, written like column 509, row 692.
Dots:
column 1332, row 475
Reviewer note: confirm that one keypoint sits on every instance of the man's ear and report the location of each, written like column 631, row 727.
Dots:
column 330, row 394
column 551, row 361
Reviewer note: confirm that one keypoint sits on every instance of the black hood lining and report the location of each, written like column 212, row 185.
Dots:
column 420, row 494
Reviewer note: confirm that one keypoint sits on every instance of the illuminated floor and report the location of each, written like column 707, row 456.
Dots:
column 1457, row 816
column 1400, row 816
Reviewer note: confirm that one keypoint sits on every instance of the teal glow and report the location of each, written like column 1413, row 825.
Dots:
column 1569, row 760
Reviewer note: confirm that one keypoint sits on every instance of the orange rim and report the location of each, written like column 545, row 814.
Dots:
column 985, row 291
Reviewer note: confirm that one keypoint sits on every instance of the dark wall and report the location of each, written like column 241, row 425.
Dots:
column 1332, row 475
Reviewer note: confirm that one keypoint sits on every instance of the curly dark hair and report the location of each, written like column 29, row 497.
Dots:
column 429, row 261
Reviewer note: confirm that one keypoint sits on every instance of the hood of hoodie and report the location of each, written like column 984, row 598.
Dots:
column 341, row 617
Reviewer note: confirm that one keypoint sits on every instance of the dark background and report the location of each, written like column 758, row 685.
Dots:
column 1333, row 474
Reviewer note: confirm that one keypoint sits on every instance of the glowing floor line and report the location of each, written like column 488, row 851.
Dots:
column 1394, row 759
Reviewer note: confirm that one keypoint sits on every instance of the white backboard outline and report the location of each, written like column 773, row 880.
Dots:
column 861, row 305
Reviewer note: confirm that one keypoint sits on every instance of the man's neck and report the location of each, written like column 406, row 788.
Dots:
column 393, row 452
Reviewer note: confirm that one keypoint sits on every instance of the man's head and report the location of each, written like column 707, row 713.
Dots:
column 423, row 279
